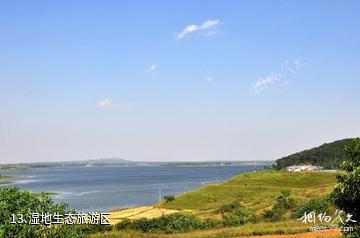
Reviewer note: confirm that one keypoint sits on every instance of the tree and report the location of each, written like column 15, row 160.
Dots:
column 14, row 201
column 169, row 198
column 328, row 155
column 346, row 195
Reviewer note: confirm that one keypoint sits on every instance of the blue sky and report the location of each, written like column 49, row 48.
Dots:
column 171, row 81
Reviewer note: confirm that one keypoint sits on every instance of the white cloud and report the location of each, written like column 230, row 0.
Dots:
column 108, row 103
column 151, row 68
column 194, row 28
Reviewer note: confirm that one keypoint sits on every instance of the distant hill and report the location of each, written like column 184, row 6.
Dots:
column 81, row 163
column 328, row 155
column 107, row 162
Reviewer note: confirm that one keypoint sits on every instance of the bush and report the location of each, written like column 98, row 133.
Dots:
column 316, row 204
column 236, row 215
column 212, row 223
column 14, row 201
column 273, row 215
column 283, row 203
column 90, row 229
column 169, row 198
column 179, row 222
column 146, row 225
column 229, row 208
column 172, row 223
column 233, row 220
column 125, row 224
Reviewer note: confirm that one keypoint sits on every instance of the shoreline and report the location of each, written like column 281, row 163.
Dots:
column 4, row 179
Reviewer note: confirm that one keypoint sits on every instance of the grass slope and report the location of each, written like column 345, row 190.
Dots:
column 256, row 191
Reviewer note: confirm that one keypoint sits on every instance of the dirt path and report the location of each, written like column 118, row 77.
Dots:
column 314, row 234
column 139, row 212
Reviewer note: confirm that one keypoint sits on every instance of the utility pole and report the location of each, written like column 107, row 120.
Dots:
column 160, row 195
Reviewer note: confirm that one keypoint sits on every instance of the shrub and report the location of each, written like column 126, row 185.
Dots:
column 172, row 223
column 238, row 216
column 15, row 201
column 273, row 215
column 233, row 220
column 124, row 225
column 212, row 223
column 89, row 229
column 146, row 225
column 282, row 203
column 179, row 222
column 229, row 208
column 316, row 204
column 169, row 198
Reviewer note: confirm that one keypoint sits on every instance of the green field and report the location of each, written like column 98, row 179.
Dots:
column 256, row 191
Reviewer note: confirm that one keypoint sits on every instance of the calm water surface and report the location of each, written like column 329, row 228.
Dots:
column 109, row 188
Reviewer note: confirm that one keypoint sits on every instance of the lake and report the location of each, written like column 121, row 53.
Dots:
column 108, row 188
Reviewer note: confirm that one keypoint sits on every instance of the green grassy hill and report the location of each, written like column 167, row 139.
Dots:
column 328, row 155
column 256, row 191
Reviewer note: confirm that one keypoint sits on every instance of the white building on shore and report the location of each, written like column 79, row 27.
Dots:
column 299, row 168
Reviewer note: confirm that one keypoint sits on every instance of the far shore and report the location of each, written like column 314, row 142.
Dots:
column 4, row 178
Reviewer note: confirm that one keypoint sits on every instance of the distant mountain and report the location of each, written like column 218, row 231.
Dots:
column 109, row 161
column 124, row 162
column 328, row 155
column 215, row 163
column 91, row 162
